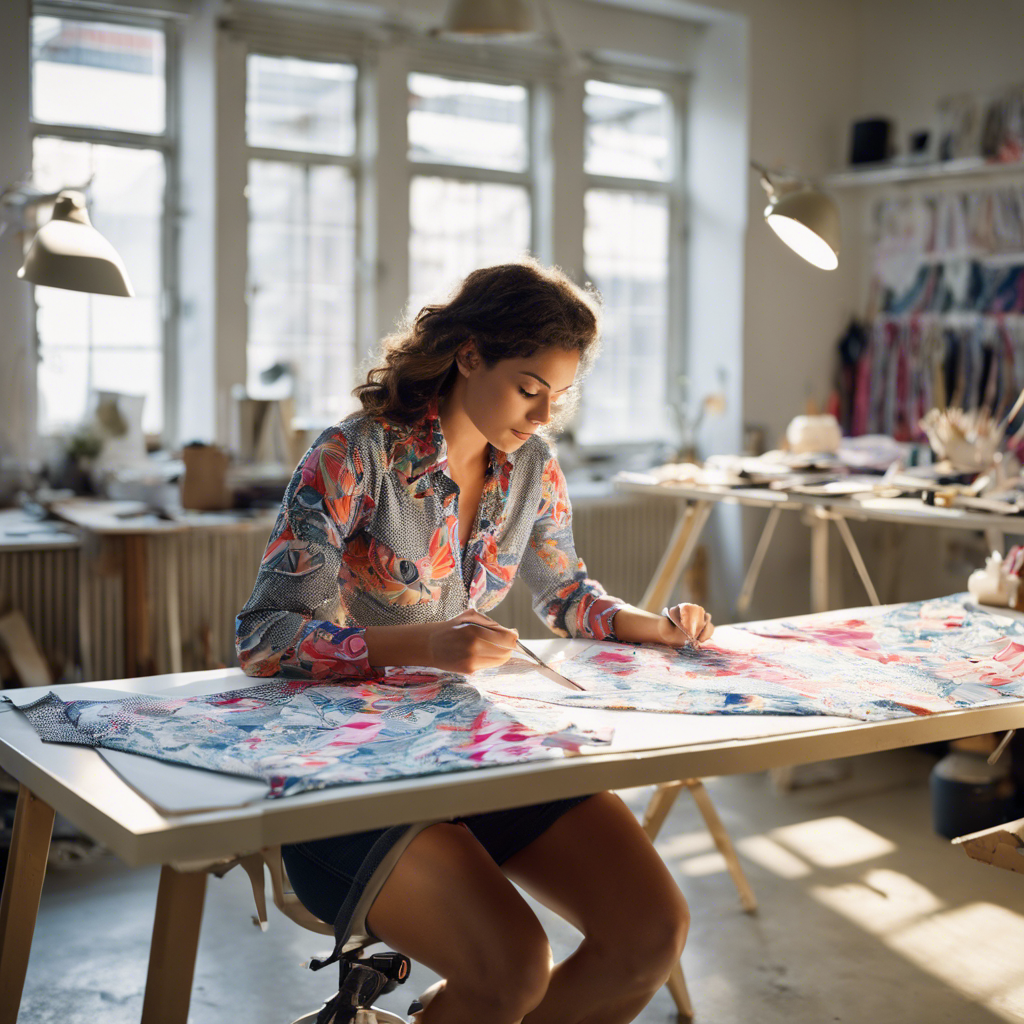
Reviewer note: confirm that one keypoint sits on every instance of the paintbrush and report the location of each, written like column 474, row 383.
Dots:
column 557, row 675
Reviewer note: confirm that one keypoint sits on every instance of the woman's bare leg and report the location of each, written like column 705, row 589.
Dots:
column 448, row 905
column 596, row 868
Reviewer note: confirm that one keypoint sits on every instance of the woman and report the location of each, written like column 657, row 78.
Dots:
column 402, row 526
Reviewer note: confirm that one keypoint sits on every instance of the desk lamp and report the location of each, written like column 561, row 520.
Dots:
column 68, row 252
column 806, row 219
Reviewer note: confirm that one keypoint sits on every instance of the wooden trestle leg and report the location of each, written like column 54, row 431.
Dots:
column 172, row 956
column 654, row 817
column 23, row 885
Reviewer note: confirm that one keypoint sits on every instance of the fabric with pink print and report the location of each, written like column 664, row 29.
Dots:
column 297, row 735
column 911, row 659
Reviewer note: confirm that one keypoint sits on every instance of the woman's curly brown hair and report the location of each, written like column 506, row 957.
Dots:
column 511, row 311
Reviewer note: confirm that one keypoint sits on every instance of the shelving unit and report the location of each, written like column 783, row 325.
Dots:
column 898, row 174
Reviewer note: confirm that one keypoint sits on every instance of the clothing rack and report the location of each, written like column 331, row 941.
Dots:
column 912, row 364
column 947, row 320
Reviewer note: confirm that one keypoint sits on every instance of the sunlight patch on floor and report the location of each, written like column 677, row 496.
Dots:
column 882, row 901
column 974, row 949
column 833, row 842
column 685, row 844
column 705, row 864
column 767, row 853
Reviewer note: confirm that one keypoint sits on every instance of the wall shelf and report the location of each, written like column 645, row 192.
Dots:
column 899, row 174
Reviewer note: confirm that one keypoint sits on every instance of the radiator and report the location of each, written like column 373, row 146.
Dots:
column 43, row 585
column 197, row 581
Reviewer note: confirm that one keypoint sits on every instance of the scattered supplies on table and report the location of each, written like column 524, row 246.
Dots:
column 299, row 735
column 998, row 584
column 855, row 467
column 915, row 659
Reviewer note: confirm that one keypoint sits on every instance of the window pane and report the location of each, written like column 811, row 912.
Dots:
column 473, row 124
column 303, row 105
column 63, row 391
column 626, row 249
column 98, row 74
column 302, row 284
column 75, row 329
column 628, row 131
column 457, row 226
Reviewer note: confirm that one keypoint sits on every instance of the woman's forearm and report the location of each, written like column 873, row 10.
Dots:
column 397, row 645
column 635, row 626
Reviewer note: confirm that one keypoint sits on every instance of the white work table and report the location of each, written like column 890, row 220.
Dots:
column 647, row 748
column 818, row 510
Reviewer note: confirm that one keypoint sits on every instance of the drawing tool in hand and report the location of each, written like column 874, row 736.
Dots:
column 547, row 668
column 690, row 639
column 542, row 665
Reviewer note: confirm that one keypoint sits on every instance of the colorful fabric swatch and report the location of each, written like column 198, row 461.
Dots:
column 298, row 735
column 913, row 659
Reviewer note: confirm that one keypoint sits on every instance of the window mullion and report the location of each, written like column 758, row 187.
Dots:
column 302, row 157
column 100, row 136
column 304, row 289
column 614, row 183
column 462, row 172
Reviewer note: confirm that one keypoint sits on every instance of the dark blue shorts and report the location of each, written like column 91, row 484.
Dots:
column 327, row 873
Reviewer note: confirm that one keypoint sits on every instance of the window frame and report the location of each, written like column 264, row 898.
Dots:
column 354, row 163
column 167, row 145
column 530, row 179
column 675, row 86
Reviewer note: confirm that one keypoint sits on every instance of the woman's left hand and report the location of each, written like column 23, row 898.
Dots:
column 684, row 624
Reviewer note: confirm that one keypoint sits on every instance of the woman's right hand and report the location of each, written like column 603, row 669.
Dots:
column 469, row 642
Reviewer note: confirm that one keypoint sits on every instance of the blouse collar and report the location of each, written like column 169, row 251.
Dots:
column 426, row 437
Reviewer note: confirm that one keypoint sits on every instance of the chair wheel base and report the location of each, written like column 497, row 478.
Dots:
column 381, row 1016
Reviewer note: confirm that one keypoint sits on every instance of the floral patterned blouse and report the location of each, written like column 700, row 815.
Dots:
column 368, row 534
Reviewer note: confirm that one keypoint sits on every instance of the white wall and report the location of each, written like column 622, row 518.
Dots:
column 17, row 352
column 916, row 51
column 774, row 80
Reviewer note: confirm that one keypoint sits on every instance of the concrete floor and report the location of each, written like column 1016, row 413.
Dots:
column 865, row 916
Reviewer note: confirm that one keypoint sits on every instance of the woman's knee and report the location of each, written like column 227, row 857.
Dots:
column 510, row 978
column 642, row 949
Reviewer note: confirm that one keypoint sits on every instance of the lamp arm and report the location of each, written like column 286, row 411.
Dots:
column 772, row 179
column 22, row 195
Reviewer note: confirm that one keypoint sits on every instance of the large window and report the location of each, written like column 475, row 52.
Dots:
column 99, row 119
column 469, row 200
column 630, row 169
column 301, row 129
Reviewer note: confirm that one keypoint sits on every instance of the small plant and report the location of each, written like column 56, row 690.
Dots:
column 688, row 423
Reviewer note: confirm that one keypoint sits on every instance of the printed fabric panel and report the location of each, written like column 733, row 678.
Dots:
column 912, row 659
column 299, row 736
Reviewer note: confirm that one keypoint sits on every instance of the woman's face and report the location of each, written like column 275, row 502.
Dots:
column 510, row 400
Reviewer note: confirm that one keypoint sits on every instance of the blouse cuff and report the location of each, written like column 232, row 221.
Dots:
column 594, row 617
column 334, row 652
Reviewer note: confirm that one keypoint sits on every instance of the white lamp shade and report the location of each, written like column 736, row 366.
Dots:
column 808, row 222
column 482, row 18
column 68, row 252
